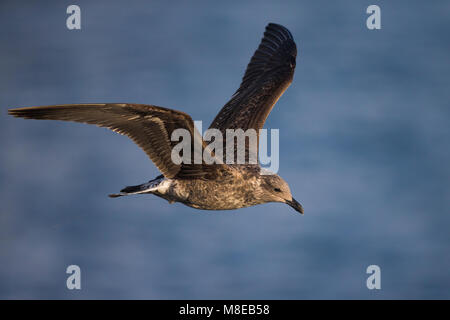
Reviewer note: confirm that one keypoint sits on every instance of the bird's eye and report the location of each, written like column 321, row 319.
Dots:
column 277, row 189
column 292, row 62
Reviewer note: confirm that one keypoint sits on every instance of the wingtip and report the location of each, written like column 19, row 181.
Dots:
column 21, row 112
column 14, row 112
column 275, row 25
column 271, row 26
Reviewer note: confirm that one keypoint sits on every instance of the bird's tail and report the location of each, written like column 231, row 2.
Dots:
column 147, row 187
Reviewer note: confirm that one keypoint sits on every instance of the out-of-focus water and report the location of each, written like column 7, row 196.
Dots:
column 364, row 132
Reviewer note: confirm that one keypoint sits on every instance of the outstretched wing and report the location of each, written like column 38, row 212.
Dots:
column 150, row 127
column 268, row 75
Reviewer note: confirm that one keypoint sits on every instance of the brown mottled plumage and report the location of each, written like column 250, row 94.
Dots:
column 201, row 186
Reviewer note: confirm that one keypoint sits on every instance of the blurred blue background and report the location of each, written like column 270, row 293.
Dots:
column 364, row 133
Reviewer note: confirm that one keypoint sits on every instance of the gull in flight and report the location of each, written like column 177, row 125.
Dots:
column 217, row 186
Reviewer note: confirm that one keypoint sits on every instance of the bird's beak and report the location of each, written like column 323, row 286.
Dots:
column 294, row 204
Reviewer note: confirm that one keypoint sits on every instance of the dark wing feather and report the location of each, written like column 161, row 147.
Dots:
column 267, row 76
column 150, row 127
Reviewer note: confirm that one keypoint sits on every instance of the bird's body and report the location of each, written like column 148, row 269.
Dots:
column 217, row 186
column 235, row 187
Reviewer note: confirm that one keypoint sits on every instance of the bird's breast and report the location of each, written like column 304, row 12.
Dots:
column 218, row 195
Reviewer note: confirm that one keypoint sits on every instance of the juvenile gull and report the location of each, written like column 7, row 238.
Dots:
column 201, row 186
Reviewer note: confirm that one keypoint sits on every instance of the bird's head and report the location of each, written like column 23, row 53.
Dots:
column 277, row 190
